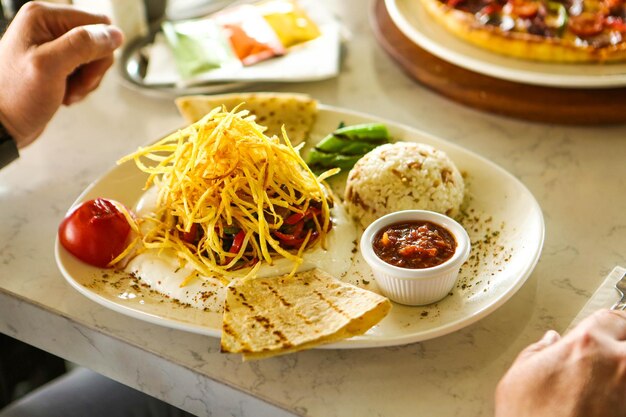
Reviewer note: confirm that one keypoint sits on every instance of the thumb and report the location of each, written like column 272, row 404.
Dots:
column 79, row 46
column 549, row 338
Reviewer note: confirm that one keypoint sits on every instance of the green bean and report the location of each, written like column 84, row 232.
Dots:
column 370, row 132
column 331, row 160
column 346, row 145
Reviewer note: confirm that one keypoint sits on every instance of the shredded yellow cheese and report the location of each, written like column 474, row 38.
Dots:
column 131, row 247
column 223, row 172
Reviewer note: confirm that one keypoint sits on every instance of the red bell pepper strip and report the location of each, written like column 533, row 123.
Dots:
column 290, row 240
column 294, row 218
column 294, row 231
column 190, row 236
column 287, row 238
column 237, row 242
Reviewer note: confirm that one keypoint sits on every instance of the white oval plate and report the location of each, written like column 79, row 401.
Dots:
column 415, row 22
column 511, row 221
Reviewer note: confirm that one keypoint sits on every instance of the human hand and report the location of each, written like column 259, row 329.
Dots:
column 582, row 374
column 50, row 55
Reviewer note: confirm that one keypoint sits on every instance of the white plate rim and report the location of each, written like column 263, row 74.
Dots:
column 463, row 55
column 358, row 341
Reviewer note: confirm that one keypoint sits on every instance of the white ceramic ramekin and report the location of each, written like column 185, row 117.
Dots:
column 416, row 286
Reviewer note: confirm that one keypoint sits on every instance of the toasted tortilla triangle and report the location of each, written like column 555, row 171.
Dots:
column 264, row 317
column 297, row 112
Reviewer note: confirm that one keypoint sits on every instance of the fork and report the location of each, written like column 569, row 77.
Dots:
column 621, row 289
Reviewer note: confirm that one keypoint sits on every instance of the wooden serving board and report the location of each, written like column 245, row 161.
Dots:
column 530, row 102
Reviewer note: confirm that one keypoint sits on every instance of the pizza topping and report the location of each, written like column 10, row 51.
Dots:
column 524, row 9
column 507, row 23
column 557, row 17
column 575, row 8
column 591, row 27
column 614, row 5
column 490, row 9
column 586, row 24
column 470, row 6
column 454, row 3
column 605, row 39
column 490, row 14
column 615, row 23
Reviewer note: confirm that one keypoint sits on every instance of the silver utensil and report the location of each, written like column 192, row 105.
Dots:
column 621, row 289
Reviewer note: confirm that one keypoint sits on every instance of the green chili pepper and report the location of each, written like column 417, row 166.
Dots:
column 558, row 16
column 346, row 145
column 370, row 132
column 324, row 160
column 343, row 140
column 334, row 144
column 231, row 230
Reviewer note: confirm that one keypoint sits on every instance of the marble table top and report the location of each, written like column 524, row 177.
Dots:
column 577, row 174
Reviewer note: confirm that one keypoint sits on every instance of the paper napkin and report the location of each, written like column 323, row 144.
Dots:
column 314, row 60
column 604, row 297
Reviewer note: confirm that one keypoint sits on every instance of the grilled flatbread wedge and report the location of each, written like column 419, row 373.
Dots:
column 296, row 112
column 265, row 317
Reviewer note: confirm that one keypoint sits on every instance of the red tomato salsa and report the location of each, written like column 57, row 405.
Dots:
column 414, row 245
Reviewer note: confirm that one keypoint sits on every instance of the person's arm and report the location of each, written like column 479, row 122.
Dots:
column 582, row 374
column 50, row 55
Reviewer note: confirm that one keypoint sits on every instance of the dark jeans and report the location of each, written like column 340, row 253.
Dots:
column 23, row 368
column 34, row 383
column 81, row 393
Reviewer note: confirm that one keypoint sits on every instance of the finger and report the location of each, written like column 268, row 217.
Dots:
column 609, row 322
column 548, row 339
column 45, row 21
column 79, row 46
column 86, row 79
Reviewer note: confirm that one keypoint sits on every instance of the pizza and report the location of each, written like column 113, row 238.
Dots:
column 563, row 31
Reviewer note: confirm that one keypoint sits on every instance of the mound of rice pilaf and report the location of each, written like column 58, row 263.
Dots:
column 403, row 176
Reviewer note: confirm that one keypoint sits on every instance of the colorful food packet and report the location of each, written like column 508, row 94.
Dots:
column 290, row 22
column 199, row 46
column 251, row 37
